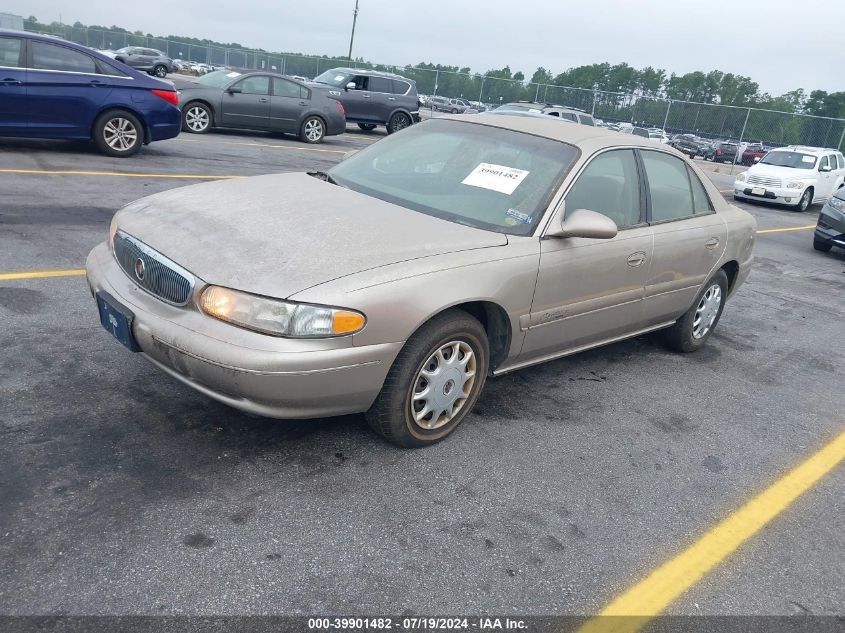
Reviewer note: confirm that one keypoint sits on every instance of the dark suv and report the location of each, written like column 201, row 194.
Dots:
column 373, row 98
column 147, row 59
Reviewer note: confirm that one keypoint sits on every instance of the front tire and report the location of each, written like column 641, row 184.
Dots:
column 398, row 121
column 118, row 133
column 196, row 118
column 434, row 382
column 160, row 71
column 692, row 330
column 805, row 201
column 313, row 130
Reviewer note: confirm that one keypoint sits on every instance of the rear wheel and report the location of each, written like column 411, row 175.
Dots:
column 692, row 330
column 398, row 121
column 118, row 133
column 434, row 382
column 367, row 126
column 196, row 118
column 805, row 201
column 313, row 130
column 822, row 246
column 160, row 71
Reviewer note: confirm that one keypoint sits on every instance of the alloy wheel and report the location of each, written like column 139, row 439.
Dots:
column 442, row 385
column 120, row 134
column 197, row 119
column 313, row 130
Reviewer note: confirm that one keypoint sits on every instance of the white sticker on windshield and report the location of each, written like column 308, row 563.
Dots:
column 338, row 77
column 808, row 159
column 233, row 74
column 496, row 177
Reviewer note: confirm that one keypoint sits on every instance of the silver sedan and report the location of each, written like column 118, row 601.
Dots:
column 397, row 283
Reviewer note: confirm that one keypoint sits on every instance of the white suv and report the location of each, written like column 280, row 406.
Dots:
column 794, row 175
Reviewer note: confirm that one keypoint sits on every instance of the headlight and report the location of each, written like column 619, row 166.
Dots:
column 795, row 185
column 112, row 230
column 837, row 203
column 741, row 177
column 278, row 318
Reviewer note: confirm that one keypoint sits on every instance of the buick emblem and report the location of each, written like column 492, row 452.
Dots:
column 140, row 269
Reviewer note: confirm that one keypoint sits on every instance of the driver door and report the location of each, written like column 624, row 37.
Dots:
column 589, row 290
column 246, row 103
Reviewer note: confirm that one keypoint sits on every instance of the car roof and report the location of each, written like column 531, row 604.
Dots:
column 367, row 71
column 586, row 136
column 806, row 149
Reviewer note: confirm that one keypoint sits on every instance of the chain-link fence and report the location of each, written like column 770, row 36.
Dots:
column 769, row 127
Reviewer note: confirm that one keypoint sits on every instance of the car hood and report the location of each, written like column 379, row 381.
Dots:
column 279, row 234
column 784, row 173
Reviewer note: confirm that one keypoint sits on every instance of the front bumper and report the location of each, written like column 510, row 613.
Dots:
column 264, row 375
column 776, row 195
column 831, row 227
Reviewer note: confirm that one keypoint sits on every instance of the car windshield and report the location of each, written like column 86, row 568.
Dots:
column 471, row 174
column 332, row 78
column 217, row 78
column 795, row 160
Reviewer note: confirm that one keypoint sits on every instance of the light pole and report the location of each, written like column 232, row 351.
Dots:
column 352, row 37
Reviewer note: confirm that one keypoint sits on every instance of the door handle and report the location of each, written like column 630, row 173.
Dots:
column 263, row 100
column 636, row 259
column 303, row 103
column 391, row 98
column 366, row 96
column 712, row 243
column 10, row 81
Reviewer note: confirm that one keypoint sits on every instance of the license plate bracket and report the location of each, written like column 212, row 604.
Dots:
column 758, row 191
column 117, row 319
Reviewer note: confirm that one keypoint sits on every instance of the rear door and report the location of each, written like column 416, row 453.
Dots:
column 382, row 99
column 248, row 103
column 689, row 236
column 402, row 95
column 13, row 110
column 287, row 104
column 65, row 90
column 591, row 290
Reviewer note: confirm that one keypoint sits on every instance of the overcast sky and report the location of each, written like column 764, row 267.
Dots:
column 772, row 41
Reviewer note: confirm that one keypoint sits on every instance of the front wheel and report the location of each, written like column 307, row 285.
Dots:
column 160, row 71
column 398, row 121
column 118, row 133
column 367, row 127
column 805, row 201
column 313, row 130
column 434, row 382
column 196, row 118
column 692, row 330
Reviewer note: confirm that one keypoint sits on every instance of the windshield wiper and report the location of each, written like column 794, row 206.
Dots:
column 321, row 175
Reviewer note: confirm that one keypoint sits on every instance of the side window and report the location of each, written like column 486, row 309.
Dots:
column 10, row 52
column 700, row 199
column 360, row 82
column 107, row 69
column 833, row 163
column 586, row 119
column 669, row 184
column 553, row 113
column 304, row 93
column 400, row 87
column 823, row 163
column 51, row 57
column 569, row 116
column 381, row 84
column 841, row 161
column 257, row 85
column 609, row 185
column 282, row 88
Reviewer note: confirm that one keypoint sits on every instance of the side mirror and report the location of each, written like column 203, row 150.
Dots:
column 234, row 90
column 350, row 85
column 825, row 168
column 586, row 223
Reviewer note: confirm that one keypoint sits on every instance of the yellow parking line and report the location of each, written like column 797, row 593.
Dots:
column 788, row 228
column 76, row 172
column 645, row 600
column 42, row 274
column 270, row 145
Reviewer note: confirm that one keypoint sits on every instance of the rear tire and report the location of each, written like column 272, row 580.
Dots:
column 160, row 71
column 313, row 130
column 118, row 133
column 692, row 330
column 399, row 414
column 821, row 246
column 398, row 121
column 367, row 127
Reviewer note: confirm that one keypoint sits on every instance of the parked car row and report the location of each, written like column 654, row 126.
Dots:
column 46, row 92
column 562, row 112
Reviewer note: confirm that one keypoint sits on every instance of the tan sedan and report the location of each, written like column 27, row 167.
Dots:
column 398, row 282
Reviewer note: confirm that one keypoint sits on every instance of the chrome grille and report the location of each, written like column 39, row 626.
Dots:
column 766, row 182
column 152, row 271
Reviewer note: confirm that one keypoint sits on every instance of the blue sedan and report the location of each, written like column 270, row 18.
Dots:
column 51, row 88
